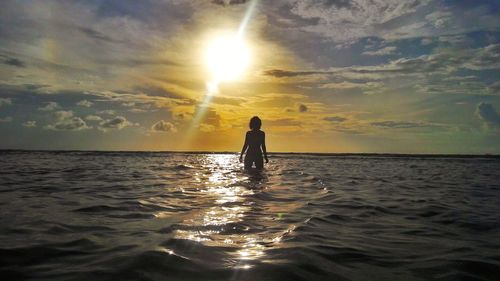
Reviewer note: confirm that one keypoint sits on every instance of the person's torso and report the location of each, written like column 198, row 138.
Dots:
column 255, row 140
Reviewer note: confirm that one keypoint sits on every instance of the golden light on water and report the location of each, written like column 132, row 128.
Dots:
column 230, row 206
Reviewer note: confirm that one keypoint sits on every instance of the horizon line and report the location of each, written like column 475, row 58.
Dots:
column 393, row 154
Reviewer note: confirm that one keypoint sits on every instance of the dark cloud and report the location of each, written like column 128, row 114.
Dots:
column 145, row 61
column 488, row 114
column 402, row 124
column 157, row 91
column 163, row 126
column 158, row 15
column 118, row 122
column 279, row 73
column 211, row 117
column 180, row 116
column 335, row 119
column 94, row 34
column 14, row 62
column 302, row 108
column 337, row 3
column 132, row 62
column 35, row 86
column 229, row 2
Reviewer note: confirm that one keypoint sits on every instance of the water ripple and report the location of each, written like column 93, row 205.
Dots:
column 174, row 216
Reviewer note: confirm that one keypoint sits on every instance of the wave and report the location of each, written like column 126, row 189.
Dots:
column 192, row 216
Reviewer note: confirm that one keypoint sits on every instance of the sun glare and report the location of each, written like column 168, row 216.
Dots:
column 227, row 58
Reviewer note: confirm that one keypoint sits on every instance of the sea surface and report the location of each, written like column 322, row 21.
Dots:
column 188, row 216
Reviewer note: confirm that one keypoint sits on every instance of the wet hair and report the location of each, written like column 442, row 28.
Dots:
column 255, row 123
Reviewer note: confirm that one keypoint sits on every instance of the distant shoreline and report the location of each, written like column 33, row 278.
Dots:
column 335, row 154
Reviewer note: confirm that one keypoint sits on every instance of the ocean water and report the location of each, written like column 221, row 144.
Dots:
column 186, row 216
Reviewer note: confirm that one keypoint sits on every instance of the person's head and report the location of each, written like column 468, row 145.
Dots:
column 255, row 123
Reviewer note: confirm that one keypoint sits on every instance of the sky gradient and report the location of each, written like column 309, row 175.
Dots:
column 418, row 76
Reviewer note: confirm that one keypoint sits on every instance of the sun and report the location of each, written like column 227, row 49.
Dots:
column 227, row 57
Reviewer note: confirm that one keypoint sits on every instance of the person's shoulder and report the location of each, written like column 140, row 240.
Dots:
column 262, row 133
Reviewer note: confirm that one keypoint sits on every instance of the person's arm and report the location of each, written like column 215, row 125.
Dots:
column 245, row 146
column 264, row 147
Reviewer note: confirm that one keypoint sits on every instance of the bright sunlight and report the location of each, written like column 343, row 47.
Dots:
column 227, row 57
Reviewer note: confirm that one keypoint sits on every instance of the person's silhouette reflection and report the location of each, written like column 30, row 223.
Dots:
column 255, row 139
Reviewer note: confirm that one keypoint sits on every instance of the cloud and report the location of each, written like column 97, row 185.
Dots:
column 229, row 2
column 335, row 119
column 5, row 101
column 107, row 112
column 488, row 114
column 158, row 91
column 85, row 103
column 348, row 20
column 350, row 85
column 453, row 39
column 29, row 124
column 163, row 126
column 423, row 68
column 484, row 58
column 63, row 114
column 426, row 41
column 118, row 123
column 227, row 100
column 94, row 34
column 211, row 117
column 279, row 73
column 93, row 118
column 35, row 86
column 65, row 121
column 302, row 108
column 448, row 84
column 128, row 104
column 447, row 61
column 390, row 50
column 402, row 124
column 206, row 128
column 439, row 18
column 282, row 122
column 494, row 88
column 7, row 119
column 50, row 106
column 14, row 62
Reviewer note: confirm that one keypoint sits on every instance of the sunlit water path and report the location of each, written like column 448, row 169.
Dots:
column 172, row 216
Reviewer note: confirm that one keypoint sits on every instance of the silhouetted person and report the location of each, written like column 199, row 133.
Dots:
column 254, row 141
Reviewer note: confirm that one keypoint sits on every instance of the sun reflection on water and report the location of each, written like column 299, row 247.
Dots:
column 229, row 209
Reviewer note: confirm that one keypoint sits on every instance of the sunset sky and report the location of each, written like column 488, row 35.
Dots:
column 416, row 76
